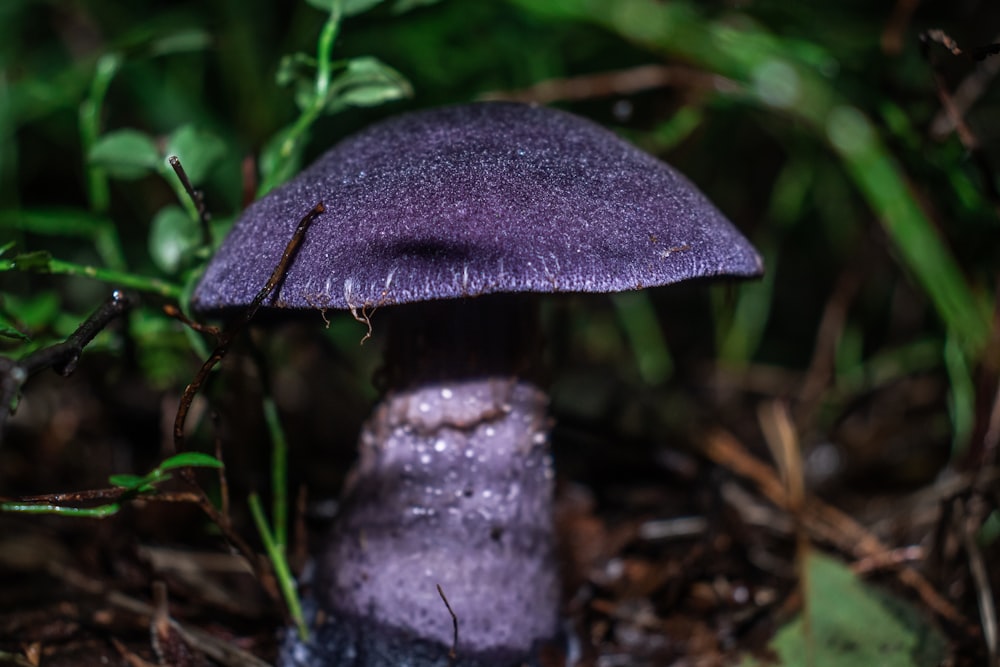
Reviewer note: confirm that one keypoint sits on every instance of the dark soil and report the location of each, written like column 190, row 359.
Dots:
column 680, row 536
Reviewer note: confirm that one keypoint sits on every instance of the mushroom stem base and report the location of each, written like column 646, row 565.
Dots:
column 453, row 489
column 347, row 641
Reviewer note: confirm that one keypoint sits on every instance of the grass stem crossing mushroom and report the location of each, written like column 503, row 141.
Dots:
column 455, row 217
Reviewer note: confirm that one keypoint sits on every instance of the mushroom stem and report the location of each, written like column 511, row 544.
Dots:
column 453, row 488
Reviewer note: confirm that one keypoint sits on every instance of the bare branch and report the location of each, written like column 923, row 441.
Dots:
column 61, row 357
column 197, row 196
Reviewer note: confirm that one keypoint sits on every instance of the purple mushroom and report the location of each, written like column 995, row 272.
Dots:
column 450, row 216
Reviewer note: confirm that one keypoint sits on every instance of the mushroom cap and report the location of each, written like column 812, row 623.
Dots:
column 476, row 199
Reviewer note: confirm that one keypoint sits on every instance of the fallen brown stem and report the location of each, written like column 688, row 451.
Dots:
column 214, row 647
column 831, row 328
column 619, row 82
column 821, row 521
column 889, row 559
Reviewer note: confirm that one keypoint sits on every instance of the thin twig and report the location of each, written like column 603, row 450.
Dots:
column 248, row 172
column 64, row 356
column 173, row 311
column 130, row 657
column 218, row 649
column 453, row 652
column 889, row 559
column 975, row 53
column 61, row 357
column 783, row 441
column 197, row 196
column 991, row 439
column 966, row 94
column 223, row 480
column 226, row 338
column 981, row 580
column 831, row 329
column 955, row 114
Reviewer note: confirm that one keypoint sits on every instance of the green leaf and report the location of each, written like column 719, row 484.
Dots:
column 299, row 70
column 322, row 5
column 145, row 484
column 352, row 7
column 38, row 261
column 8, row 331
column 182, row 41
column 348, row 7
column 850, row 623
column 637, row 318
column 989, row 532
column 159, row 474
column 190, row 460
column 281, row 157
column 294, row 67
column 36, row 311
column 126, row 481
column 173, row 237
column 69, row 222
column 125, row 154
column 403, row 6
column 366, row 82
column 198, row 150
column 54, row 222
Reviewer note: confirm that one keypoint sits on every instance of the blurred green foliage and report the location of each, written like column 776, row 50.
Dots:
column 865, row 627
column 809, row 124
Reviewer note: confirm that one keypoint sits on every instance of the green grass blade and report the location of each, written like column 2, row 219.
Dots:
column 286, row 582
column 784, row 75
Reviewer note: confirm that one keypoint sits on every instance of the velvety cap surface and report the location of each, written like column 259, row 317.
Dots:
column 474, row 199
